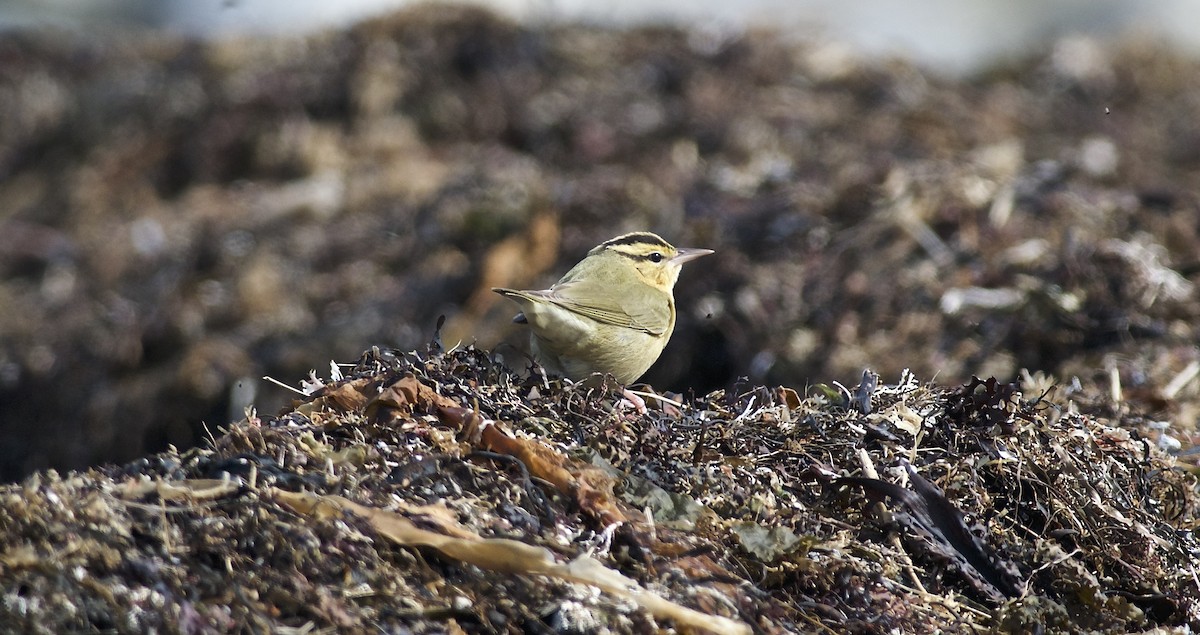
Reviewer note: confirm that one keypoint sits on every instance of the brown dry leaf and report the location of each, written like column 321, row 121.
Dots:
column 437, row 515
column 404, row 396
column 542, row 461
column 594, row 494
column 590, row 486
column 351, row 396
column 308, row 504
column 463, row 420
column 901, row 417
column 496, row 554
column 198, row 489
column 355, row 455
column 510, row 556
column 590, row 571
column 789, row 397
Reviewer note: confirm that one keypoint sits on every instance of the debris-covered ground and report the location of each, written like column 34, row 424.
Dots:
column 442, row 493
column 179, row 218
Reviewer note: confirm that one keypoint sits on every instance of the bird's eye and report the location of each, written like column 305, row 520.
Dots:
column 656, row 257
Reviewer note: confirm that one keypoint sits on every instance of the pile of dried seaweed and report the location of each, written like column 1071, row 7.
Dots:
column 443, row 492
column 178, row 216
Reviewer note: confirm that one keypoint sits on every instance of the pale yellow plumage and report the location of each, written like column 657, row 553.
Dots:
column 611, row 313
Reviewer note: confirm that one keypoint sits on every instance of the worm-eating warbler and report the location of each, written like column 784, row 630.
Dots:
column 611, row 313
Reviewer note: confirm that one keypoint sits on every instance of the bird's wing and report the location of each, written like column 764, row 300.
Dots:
column 596, row 301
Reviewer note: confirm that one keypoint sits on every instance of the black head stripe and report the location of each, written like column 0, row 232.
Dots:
column 638, row 238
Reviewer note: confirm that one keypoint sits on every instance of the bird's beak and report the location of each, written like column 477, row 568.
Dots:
column 685, row 254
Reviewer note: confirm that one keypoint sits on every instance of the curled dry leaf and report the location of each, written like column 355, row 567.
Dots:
column 591, row 487
column 509, row 556
column 197, row 489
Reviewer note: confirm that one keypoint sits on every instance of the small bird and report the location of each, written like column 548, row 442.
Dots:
column 611, row 313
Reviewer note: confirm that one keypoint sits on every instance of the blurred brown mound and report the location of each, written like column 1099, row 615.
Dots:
column 435, row 493
column 178, row 219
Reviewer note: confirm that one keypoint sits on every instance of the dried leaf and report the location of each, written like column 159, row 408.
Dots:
column 350, row 396
column 509, row 556
column 901, row 417
column 789, row 397
column 199, row 489
column 403, row 397
column 591, row 488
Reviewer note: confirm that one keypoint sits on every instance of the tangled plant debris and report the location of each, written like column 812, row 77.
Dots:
column 179, row 218
column 441, row 491
column 279, row 201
